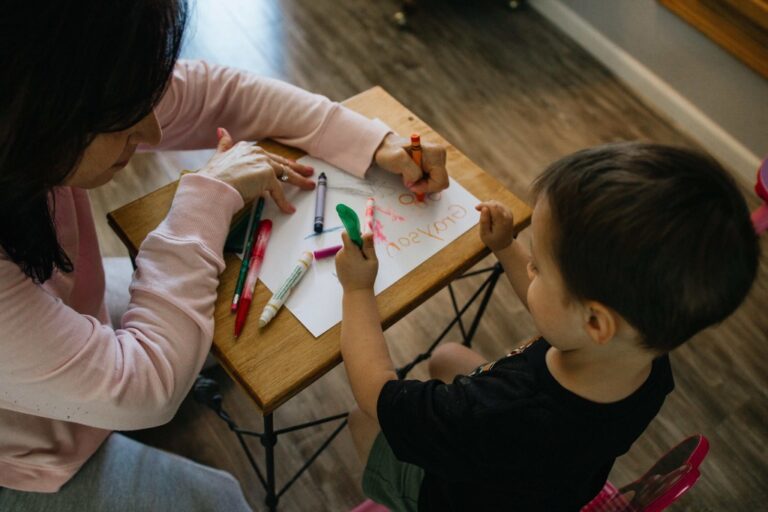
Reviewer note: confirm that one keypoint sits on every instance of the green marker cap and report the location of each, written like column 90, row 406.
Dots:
column 351, row 222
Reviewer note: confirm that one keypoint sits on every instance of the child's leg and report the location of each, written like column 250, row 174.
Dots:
column 386, row 480
column 452, row 359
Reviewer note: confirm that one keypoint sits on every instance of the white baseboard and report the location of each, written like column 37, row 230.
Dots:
column 653, row 90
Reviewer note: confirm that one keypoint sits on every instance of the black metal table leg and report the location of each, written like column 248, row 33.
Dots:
column 206, row 391
column 492, row 280
column 269, row 440
column 488, row 286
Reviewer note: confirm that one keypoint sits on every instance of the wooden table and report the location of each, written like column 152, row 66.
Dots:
column 274, row 364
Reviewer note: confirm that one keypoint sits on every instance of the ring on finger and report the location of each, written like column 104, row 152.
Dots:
column 284, row 172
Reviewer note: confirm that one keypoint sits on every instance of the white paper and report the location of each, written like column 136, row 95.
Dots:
column 407, row 233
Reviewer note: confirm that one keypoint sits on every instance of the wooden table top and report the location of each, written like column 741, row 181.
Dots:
column 276, row 363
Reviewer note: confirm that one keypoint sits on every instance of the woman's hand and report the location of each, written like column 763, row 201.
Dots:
column 253, row 171
column 356, row 267
column 393, row 156
column 496, row 225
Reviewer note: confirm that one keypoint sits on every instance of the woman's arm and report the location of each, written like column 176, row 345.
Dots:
column 59, row 363
column 202, row 97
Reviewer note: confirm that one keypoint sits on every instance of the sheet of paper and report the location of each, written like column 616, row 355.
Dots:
column 407, row 232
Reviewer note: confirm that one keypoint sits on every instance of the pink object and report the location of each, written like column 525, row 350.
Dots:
column 327, row 252
column 378, row 231
column 370, row 506
column 608, row 500
column 660, row 486
column 760, row 215
column 370, row 208
column 67, row 377
column 391, row 214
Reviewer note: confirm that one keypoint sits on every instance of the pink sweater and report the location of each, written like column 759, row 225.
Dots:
column 67, row 378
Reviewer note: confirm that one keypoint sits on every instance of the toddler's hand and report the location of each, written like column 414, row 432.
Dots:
column 357, row 268
column 496, row 225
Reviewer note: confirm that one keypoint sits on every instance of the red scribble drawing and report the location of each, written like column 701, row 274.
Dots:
column 391, row 214
column 378, row 232
column 409, row 199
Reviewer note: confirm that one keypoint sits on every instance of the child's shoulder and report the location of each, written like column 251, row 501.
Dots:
column 531, row 350
column 510, row 383
column 524, row 374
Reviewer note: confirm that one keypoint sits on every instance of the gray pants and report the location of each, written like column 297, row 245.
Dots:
column 124, row 475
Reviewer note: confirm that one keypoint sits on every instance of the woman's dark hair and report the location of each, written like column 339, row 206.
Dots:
column 660, row 234
column 73, row 69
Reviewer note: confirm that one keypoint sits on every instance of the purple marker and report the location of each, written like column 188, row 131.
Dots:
column 322, row 185
column 327, row 252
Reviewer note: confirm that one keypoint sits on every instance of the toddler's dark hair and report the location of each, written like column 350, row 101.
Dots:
column 660, row 234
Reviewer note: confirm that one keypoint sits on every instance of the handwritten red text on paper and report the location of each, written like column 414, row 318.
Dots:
column 429, row 232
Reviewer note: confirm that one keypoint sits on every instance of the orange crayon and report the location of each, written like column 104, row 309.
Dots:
column 416, row 156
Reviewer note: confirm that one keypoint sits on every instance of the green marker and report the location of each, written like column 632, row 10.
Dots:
column 351, row 223
column 250, row 235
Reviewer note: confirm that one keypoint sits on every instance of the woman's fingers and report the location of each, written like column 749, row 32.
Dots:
column 410, row 172
column 252, row 171
column 434, row 166
column 297, row 180
column 225, row 139
column 278, row 195
column 286, row 174
column 304, row 170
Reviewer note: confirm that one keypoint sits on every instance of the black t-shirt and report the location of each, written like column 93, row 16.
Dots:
column 509, row 437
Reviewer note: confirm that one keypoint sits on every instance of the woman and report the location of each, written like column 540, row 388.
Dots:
column 85, row 83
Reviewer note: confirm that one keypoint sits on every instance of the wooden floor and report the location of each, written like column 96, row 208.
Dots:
column 514, row 94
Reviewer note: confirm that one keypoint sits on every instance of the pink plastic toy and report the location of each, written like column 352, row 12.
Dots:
column 665, row 482
column 760, row 216
column 370, row 506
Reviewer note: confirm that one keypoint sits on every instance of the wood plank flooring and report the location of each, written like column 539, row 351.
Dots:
column 514, row 94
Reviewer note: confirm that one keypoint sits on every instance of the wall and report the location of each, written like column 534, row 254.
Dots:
column 709, row 94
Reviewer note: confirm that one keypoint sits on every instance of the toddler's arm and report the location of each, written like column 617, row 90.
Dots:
column 497, row 232
column 363, row 348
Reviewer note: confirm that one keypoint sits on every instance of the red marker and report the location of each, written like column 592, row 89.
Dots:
column 416, row 156
column 254, row 267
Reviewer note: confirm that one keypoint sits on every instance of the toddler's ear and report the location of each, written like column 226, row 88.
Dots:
column 601, row 322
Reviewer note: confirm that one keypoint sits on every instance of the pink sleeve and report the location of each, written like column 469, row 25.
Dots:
column 61, row 364
column 202, row 97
